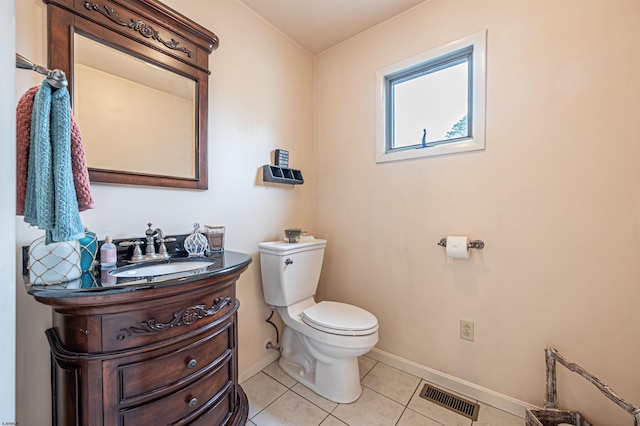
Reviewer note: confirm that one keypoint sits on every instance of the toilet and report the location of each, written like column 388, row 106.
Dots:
column 321, row 341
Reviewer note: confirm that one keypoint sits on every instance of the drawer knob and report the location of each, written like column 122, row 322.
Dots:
column 193, row 402
column 192, row 363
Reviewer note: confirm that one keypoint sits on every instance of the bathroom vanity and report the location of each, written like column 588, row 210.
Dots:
column 147, row 350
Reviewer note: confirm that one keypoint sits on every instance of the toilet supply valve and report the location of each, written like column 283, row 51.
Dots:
column 270, row 345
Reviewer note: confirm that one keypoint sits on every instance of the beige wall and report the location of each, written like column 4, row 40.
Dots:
column 555, row 197
column 260, row 99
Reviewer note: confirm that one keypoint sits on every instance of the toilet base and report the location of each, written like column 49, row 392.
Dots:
column 337, row 379
column 336, row 382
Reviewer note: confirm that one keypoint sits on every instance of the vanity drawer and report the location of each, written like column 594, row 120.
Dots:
column 148, row 326
column 141, row 379
column 188, row 402
column 218, row 414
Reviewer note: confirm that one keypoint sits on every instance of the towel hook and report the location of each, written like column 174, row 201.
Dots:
column 56, row 78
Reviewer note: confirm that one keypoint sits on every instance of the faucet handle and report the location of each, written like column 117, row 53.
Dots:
column 162, row 239
column 162, row 251
column 129, row 243
column 137, row 251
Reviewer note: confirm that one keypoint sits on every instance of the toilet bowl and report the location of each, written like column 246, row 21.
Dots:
column 326, row 362
column 321, row 341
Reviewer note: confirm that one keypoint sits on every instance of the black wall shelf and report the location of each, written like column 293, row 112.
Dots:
column 279, row 174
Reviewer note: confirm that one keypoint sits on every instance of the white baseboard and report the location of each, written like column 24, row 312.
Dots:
column 257, row 367
column 468, row 389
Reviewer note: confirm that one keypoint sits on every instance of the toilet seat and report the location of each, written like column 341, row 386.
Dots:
column 340, row 318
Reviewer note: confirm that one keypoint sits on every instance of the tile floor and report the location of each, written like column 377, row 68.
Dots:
column 389, row 397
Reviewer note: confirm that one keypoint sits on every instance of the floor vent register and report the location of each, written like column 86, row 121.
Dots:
column 451, row 402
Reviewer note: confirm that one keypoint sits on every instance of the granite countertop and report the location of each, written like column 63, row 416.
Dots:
column 98, row 281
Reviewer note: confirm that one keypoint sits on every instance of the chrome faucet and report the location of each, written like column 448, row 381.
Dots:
column 150, row 252
column 152, row 235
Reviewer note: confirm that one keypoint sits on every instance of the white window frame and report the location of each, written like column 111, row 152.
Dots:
column 476, row 140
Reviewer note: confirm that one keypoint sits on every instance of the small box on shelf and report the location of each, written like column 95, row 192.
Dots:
column 281, row 158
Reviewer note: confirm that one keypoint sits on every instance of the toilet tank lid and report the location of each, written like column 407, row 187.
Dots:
column 284, row 247
column 340, row 316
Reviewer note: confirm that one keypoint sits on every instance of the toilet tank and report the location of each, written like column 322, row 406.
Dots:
column 290, row 271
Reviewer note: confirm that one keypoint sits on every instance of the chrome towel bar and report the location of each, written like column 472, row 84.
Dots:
column 56, row 78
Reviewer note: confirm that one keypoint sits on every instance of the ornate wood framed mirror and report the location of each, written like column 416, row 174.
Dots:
column 138, row 78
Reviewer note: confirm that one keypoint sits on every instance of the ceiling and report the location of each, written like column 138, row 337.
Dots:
column 320, row 24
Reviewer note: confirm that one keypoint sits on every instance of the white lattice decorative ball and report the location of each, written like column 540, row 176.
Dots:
column 196, row 244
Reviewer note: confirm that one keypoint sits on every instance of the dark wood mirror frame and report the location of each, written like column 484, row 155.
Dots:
column 153, row 32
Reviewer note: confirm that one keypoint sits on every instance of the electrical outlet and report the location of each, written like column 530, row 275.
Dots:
column 466, row 329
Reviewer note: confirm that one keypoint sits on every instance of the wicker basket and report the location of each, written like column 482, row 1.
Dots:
column 554, row 418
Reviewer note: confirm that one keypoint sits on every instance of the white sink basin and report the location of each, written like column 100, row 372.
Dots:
column 160, row 269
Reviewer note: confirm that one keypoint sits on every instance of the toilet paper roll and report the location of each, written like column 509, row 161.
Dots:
column 457, row 247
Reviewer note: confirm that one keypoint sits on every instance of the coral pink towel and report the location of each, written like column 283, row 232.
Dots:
column 23, row 142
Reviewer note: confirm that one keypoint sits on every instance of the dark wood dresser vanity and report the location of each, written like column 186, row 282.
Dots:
column 152, row 351
column 147, row 352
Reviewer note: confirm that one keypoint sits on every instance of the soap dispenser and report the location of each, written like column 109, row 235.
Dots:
column 108, row 253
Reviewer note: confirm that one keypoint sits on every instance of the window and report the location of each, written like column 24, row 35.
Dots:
column 433, row 104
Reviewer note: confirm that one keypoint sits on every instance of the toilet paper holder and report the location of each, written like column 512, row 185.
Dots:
column 475, row 244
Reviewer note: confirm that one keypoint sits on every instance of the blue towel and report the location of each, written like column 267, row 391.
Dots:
column 51, row 202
